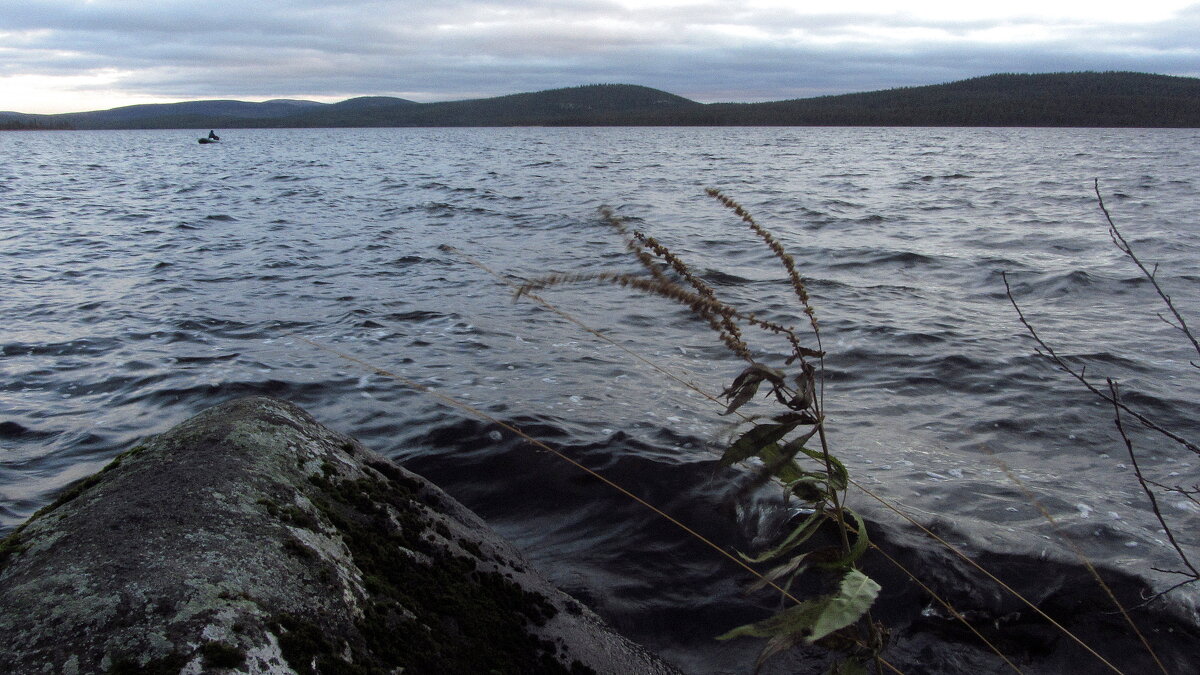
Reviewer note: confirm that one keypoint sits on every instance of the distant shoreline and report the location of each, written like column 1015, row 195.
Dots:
column 626, row 126
column 1054, row 100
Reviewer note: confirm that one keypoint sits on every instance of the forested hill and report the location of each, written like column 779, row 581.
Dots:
column 1088, row 99
column 1112, row 99
column 586, row 105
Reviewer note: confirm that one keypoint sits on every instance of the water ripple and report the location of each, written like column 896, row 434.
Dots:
column 144, row 280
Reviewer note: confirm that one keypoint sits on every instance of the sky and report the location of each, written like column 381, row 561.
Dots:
column 75, row 55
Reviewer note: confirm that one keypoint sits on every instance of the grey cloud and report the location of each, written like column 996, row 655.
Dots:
column 439, row 51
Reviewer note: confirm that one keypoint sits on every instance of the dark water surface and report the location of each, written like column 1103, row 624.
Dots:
column 144, row 277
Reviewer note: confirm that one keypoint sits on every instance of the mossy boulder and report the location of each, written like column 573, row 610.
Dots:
column 251, row 539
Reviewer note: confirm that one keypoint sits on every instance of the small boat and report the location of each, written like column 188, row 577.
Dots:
column 211, row 138
column 208, row 140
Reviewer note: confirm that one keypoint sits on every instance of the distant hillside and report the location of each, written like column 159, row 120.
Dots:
column 587, row 105
column 191, row 114
column 1111, row 99
column 364, row 111
column 571, row 106
column 10, row 121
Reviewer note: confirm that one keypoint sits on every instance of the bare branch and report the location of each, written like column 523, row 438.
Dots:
column 1047, row 351
column 1166, row 591
column 1168, row 322
column 1137, row 471
column 1125, row 248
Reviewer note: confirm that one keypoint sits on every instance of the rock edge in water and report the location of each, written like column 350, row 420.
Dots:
column 252, row 539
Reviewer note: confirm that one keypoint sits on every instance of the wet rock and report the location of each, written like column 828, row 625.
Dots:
column 251, row 539
column 1078, row 625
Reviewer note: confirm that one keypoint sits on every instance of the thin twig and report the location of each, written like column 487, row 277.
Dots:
column 1080, row 375
column 1111, row 394
column 1137, row 471
column 1125, row 248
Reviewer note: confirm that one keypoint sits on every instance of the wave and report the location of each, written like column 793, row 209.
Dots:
column 873, row 257
column 13, row 430
column 78, row 347
column 721, row 278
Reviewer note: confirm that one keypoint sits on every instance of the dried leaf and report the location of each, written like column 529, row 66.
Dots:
column 776, row 645
column 745, row 385
column 796, row 418
column 741, row 379
column 740, row 395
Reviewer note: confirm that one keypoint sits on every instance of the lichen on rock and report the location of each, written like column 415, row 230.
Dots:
column 252, row 539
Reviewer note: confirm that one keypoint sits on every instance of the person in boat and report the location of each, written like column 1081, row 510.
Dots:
column 213, row 136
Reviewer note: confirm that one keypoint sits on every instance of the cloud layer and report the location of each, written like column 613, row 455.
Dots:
column 76, row 54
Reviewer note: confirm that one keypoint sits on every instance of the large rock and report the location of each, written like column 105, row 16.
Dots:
column 252, row 539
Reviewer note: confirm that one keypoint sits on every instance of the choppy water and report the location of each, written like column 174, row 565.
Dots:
column 144, row 277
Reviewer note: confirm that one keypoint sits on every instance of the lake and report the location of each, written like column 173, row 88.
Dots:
column 145, row 277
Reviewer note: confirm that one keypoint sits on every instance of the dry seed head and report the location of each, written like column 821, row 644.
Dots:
column 633, row 242
column 776, row 248
column 638, row 243
column 729, row 331
column 722, row 318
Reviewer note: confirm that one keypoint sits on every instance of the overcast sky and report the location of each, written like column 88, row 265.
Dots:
column 73, row 55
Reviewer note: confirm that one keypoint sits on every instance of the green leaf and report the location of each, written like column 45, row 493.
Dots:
column 811, row 488
column 790, row 569
column 854, row 597
column 751, row 442
column 781, row 464
column 840, row 476
column 798, row 536
column 777, row 644
column 797, row 443
column 791, row 621
column 817, row 617
column 861, row 541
